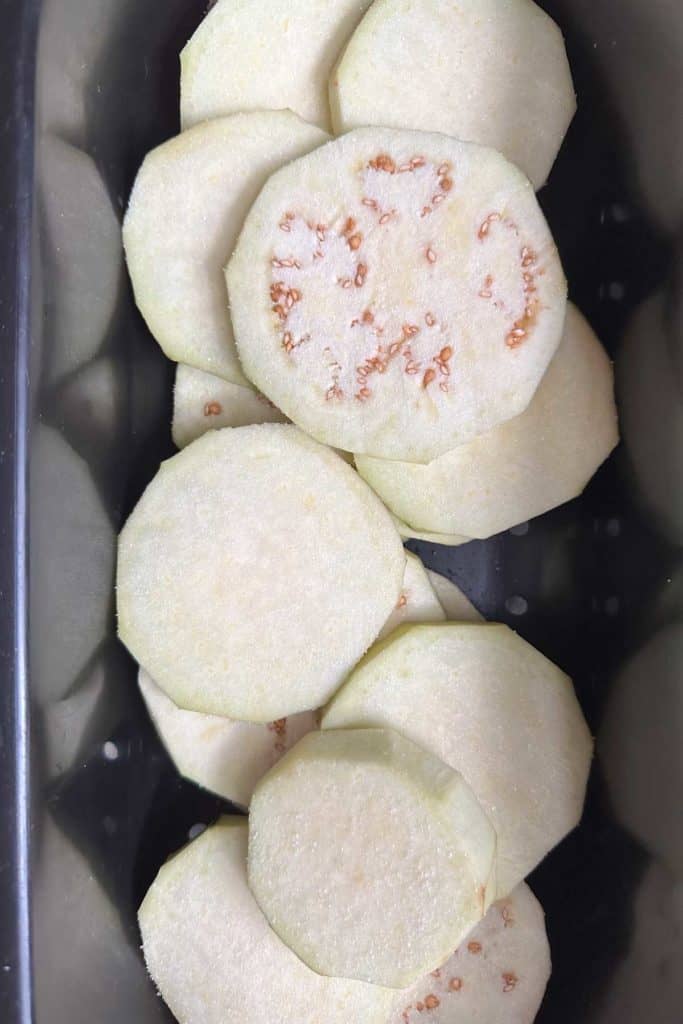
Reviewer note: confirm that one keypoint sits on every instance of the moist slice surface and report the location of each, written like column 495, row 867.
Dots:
column 495, row 709
column 254, row 572
column 523, row 467
column 202, row 401
column 397, row 293
column 370, row 858
column 229, row 757
column 487, row 71
column 186, row 209
column 220, row 754
column 213, row 957
column 498, row 975
column 265, row 54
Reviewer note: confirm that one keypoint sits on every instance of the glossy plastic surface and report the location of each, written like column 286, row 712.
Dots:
column 85, row 406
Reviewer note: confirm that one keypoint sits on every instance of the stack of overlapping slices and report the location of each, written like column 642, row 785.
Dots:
column 374, row 342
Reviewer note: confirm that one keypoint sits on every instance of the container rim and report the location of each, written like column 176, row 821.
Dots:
column 18, row 47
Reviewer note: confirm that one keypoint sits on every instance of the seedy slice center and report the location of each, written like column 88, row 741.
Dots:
column 380, row 290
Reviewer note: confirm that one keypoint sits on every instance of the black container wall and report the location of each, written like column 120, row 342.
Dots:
column 91, row 805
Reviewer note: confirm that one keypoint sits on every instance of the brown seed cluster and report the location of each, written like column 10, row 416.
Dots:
column 485, row 228
column 412, row 165
column 412, row 366
column 387, row 165
column 279, row 727
column 285, row 296
column 442, row 360
column 528, row 259
column 486, row 292
column 285, row 264
column 525, row 324
column 510, row 981
column 383, row 162
column 430, row 1002
column 383, row 356
column 289, row 344
column 335, row 389
column 354, row 239
column 445, row 185
column 284, row 299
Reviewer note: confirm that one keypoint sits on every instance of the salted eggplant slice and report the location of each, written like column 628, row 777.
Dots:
column 229, row 757
column 254, row 572
column 370, row 858
column 523, row 467
column 223, row 755
column 397, row 293
column 211, row 954
column 489, row 72
column 496, row 710
column 186, row 209
column 251, row 55
column 202, row 401
column 498, row 975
